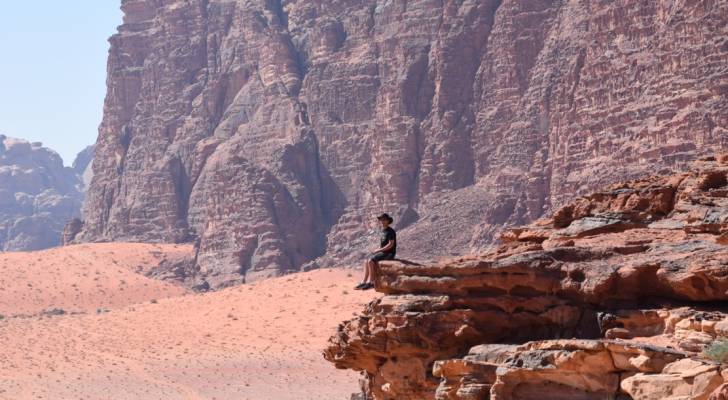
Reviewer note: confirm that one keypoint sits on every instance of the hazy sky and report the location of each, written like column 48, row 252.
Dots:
column 53, row 70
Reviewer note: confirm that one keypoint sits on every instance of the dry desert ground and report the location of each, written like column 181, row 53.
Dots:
column 126, row 336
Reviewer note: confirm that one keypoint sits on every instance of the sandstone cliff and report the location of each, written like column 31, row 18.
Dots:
column 271, row 131
column 616, row 295
column 38, row 195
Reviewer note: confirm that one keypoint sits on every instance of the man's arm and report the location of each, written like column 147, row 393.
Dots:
column 387, row 247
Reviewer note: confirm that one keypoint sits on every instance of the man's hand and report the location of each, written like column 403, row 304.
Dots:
column 385, row 248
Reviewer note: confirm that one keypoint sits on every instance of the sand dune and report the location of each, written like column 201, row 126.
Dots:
column 258, row 341
column 83, row 277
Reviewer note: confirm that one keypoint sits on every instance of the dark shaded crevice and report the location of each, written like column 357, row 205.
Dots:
column 125, row 142
column 465, row 115
column 182, row 187
column 333, row 200
column 675, row 195
column 299, row 58
column 125, row 139
column 301, row 163
column 275, row 218
column 108, row 201
column 371, row 20
column 276, row 6
column 576, row 76
column 245, row 258
column 418, row 106
column 713, row 180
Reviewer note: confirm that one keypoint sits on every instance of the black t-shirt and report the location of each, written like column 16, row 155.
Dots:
column 388, row 234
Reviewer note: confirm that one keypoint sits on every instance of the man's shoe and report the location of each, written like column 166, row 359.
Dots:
column 368, row 286
column 360, row 286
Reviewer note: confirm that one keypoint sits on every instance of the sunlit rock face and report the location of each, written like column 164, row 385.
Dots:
column 270, row 132
column 38, row 195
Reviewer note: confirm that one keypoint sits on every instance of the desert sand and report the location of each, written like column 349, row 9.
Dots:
column 84, row 277
column 257, row 341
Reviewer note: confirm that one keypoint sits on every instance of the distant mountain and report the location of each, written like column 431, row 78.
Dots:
column 38, row 195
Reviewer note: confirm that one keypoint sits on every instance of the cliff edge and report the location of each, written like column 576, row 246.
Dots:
column 616, row 295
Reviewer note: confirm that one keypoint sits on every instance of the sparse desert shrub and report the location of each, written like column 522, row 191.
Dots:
column 718, row 350
column 153, row 301
column 2, row 317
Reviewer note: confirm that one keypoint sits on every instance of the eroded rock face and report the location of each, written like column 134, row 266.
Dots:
column 37, row 195
column 616, row 294
column 576, row 369
column 273, row 130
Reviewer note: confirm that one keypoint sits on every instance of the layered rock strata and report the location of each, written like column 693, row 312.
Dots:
column 618, row 293
column 38, row 195
column 272, row 131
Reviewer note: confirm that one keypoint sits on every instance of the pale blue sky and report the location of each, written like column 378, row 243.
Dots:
column 53, row 70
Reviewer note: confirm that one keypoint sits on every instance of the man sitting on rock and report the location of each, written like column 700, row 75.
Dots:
column 386, row 251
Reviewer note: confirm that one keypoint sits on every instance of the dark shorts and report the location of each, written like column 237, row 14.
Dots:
column 379, row 256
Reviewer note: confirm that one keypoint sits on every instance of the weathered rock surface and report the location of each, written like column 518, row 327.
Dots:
column 38, row 195
column 273, row 130
column 616, row 294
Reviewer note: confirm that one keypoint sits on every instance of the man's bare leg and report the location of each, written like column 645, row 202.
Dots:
column 370, row 269
column 366, row 271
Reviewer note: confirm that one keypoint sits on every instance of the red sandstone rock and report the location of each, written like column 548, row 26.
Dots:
column 688, row 379
column 721, row 393
column 634, row 268
column 273, row 131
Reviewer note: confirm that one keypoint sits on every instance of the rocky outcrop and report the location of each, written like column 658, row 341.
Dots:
column 618, row 293
column 37, row 195
column 71, row 230
column 581, row 369
column 273, row 131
